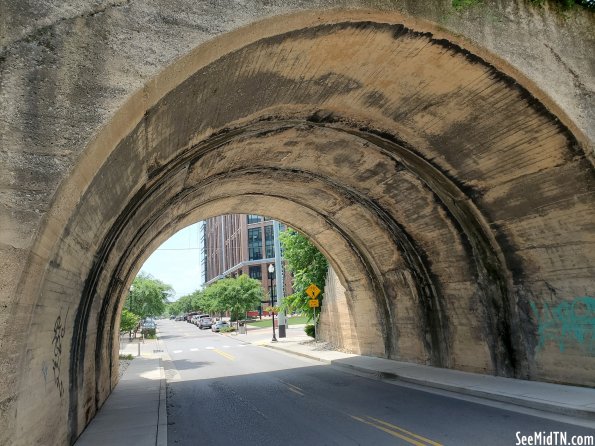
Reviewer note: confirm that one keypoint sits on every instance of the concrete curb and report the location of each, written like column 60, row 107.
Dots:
column 530, row 403
column 305, row 355
column 470, row 391
column 162, row 417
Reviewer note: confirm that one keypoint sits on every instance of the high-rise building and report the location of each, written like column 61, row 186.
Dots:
column 238, row 244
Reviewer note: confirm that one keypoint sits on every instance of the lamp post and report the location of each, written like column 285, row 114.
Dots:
column 130, row 298
column 271, row 271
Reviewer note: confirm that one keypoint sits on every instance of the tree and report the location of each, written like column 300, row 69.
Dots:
column 148, row 296
column 236, row 295
column 128, row 321
column 184, row 304
column 306, row 264
column 241, row 294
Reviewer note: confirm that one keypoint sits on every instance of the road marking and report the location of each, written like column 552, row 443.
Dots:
column 419, row 437
column 178, row 351
column 292, row 388
column 193, row 349
column 295, row 391
column 397, row 431
column 210, row 348
column 224, row 354
column 226, row 346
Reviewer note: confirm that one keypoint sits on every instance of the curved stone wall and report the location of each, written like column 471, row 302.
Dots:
column 453, row 198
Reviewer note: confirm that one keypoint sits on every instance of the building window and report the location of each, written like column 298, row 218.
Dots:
column 254, row 244
column 255, row 272
column 269, row 242
column 254, row 219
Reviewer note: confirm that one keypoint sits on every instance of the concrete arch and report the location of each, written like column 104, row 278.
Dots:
column 432, row 178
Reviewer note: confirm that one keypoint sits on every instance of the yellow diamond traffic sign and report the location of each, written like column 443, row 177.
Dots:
column 313, row 291
column 314, row 303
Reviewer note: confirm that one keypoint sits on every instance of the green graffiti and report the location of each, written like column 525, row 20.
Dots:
column 568, row 323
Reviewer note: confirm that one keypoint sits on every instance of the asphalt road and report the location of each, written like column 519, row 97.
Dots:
column 221, row 392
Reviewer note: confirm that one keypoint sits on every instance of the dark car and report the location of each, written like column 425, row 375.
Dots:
column 148, row 327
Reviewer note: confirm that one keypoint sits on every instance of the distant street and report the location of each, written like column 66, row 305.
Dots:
column 221, row 391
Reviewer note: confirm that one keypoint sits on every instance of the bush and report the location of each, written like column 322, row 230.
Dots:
column 129, row 321
column 309, row 329
column 227, row 329
column 128, row 357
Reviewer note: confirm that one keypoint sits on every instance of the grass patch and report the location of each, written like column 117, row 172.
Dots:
column 462, row 4
column 298, row 320
column 128, row 357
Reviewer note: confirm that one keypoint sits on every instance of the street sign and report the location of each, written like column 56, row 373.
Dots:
column 314, row 303
column 313, row 291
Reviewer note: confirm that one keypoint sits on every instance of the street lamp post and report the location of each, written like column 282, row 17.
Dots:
column 271, row 271
column 130, row 298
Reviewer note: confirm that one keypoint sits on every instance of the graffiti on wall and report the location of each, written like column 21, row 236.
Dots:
column 569, row 323
column 59, row 331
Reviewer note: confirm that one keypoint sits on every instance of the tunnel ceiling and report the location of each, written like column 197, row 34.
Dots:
column 431, row 179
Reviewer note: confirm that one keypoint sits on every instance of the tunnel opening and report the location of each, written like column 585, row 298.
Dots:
column 345, row 223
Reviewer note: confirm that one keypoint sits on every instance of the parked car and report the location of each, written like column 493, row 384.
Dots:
column 148, row 327
column 205, row 322
column 189, row 316
column 196, row 318
column 217, row 326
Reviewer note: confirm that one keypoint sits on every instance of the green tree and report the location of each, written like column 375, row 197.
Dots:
column 236, row 295
column 306, row 264
column 147, row 296
column 128, row 321
column 184, row 304
column 242, row 294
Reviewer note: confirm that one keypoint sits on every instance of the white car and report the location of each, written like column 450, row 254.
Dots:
column 217, row 326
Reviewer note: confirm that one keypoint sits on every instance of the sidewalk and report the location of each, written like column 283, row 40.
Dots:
column 555, row 398
column 135, row 412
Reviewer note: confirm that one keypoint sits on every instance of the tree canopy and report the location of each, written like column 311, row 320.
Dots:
column 236, row 295
column 306, row 264
column 184, row 304
column 148, row 296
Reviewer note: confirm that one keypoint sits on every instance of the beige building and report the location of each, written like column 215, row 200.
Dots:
column 237, row 244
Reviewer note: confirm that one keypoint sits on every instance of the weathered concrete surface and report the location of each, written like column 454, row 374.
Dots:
column 452, row 196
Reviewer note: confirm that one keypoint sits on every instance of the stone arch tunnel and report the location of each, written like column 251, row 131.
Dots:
column 449, row 183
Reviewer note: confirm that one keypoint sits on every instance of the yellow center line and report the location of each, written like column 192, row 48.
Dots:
column 389, row 431
column 295, row 388
column 392, row 426
column 292, row 386
column 224, row 354
column 295, row 391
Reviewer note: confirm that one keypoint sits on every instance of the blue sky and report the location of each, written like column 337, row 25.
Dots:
column 177, row 261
